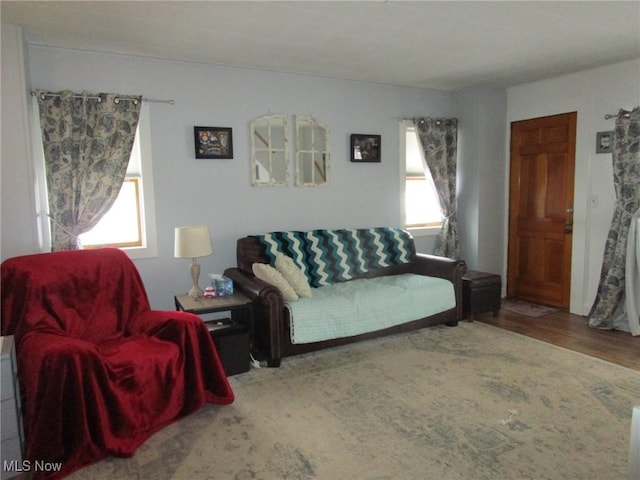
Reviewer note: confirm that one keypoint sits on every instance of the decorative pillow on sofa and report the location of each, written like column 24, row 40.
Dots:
column 270, row 275
column 292, row 274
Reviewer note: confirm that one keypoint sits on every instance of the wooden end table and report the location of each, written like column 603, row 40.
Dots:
column 233, row 338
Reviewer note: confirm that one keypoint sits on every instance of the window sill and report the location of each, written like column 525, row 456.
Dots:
column 424, row 231
column 141, row 252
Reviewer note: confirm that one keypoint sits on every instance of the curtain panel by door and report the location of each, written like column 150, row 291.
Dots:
column 617, row 302
column 87, row 140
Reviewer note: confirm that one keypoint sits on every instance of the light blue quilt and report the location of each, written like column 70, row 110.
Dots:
column 350, row 308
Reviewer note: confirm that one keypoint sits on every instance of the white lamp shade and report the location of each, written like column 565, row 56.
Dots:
column 192, row 241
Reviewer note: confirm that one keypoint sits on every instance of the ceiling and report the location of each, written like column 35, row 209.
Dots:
column 446, row 45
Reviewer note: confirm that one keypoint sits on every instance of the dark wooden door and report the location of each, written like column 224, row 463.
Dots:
column 541, row 209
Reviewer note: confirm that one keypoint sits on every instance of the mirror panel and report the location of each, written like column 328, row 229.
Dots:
column 305, row 161
column 279, row 167
column 262, row 134
column 305, row 138
column 320, row 135
column 269, row 153
column 312, row 152
column 261, row 167
column 278, row 135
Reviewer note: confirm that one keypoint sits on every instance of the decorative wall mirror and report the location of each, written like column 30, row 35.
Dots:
column 269, row 151
column 312, row 152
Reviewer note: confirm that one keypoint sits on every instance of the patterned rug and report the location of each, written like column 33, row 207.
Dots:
column 526, row 308
column 470, row 402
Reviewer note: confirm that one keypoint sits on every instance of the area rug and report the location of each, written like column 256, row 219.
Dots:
column 526, row 308
column 470, row 402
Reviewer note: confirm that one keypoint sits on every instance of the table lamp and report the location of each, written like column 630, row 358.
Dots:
column 193, row 241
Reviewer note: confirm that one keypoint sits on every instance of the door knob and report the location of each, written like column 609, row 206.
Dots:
column 570, row 210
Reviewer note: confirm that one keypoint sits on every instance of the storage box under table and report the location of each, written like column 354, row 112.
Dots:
column 232, row 342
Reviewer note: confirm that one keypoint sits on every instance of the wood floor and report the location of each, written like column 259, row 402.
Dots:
column 572, row 332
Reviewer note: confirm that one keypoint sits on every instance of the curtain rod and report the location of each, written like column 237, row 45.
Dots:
column 413, row 119
column 614, row 115
column 416, row 119
column 117, row 99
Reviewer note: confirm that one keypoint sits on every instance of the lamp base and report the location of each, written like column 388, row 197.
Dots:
column 194, row 269
column 195, row 292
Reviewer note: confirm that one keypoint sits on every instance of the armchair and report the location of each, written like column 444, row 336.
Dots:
column 100, row 372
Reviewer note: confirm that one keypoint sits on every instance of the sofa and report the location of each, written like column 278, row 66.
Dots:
column 341, row 286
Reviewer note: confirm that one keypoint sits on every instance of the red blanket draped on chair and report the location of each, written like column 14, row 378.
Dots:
column 100, row 371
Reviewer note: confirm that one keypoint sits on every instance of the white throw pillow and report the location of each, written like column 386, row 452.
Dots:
column 270, row 275
column 292, row 274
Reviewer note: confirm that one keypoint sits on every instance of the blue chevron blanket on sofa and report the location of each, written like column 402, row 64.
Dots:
column 344, row 304
column 330, row 256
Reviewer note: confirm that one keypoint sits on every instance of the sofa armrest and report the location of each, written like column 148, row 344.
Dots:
column 250, row 285
column 442, row 267
column 269, row 311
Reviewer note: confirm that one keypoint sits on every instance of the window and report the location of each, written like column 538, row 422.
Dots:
column 421, row 205
column 121, row 226
column 129, row 224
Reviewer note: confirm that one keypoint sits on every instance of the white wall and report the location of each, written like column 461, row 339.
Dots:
column 592, row 93
column 481, row 177
column 17, row 197
column 218, row 192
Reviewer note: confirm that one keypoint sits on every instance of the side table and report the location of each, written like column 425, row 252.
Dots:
column 232, row 337
column 481, row 293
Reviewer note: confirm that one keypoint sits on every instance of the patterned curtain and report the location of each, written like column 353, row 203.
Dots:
column 87, row 141
column 610, row 306
column 438, row 139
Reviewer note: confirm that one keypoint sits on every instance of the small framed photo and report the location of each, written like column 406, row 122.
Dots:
column 213, row 142
column 603, row 142
column 365, row 148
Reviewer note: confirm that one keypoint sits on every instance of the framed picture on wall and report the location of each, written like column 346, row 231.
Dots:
column 213, row 142
column 603, row 142
column 365, row 148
